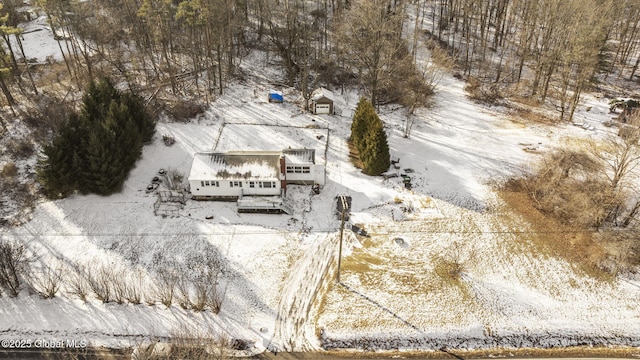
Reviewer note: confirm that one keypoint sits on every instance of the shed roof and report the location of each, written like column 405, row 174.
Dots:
column 236, row 165
column 320, row 93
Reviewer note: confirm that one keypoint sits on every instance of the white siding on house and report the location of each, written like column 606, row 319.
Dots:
column 232, row 174
column 319, row 174
column 234, row 188
column 236, row 174
column 306, row 174
column 220, row 188
column 300, row 173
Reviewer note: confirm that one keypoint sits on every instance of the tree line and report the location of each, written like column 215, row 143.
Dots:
column 549, row 50
column 194, row 47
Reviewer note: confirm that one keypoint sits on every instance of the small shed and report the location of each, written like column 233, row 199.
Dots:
column 275, row 96
column 321, row 101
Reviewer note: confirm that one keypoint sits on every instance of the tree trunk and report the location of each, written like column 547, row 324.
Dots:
column 26, row 64
column 7, row 93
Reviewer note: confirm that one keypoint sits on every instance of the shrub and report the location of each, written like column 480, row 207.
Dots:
column 9, row 170
column 48, row 280
column 199, row 288
column 188, row 343
column 165, row 287
column 133, row 288
column 101, row 281
column 568, row 186
column 47, row 115
column 77, row 284
column 183, row 111
column 454, row 262
column 119, row 283
column 487, row 93
column 22, row 149
column 14, row 266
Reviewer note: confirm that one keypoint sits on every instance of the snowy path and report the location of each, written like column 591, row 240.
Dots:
column 294, row 331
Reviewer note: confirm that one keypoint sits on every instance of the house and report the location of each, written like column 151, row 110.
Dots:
column 232, row 175
column 275, row 96
column 301, row 167
column 321, row 102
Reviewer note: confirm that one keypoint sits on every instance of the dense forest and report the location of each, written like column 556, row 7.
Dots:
column 547, row 51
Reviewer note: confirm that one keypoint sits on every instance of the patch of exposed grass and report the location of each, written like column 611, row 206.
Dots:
column 548, row 237
column 448, row 270
column 361, row 259
column 9, row 170
column 532, row 116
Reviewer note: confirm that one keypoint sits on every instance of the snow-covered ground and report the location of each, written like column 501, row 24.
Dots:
column 278, row 288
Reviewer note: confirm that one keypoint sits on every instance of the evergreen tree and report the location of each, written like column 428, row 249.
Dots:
column 97, row 100
column 101, row 169
column 97, row 148
column 57, row 170
column 376, row 155
column 359, row 123
column 144, row 123
column 369, row 139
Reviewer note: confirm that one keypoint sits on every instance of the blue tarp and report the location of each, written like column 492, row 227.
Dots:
column 275, row 96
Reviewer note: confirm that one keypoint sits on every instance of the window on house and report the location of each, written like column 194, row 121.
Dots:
column 252, row 184
column 290, row 169
column 306, row 170
column 266, row 184
column 207, row 183
column 215, row 183
column 201, row 183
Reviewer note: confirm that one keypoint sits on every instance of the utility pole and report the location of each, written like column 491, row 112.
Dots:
column 342, row 215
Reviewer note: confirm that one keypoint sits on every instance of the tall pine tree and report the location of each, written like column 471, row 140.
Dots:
column 376, row 154
column 359, row 123
column 369, row 139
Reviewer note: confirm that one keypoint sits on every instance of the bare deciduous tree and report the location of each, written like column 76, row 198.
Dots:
column 370, row 39
column 620, row 157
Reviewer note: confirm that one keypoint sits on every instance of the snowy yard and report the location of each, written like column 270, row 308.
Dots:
column 391, row 295
column 278, row 291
